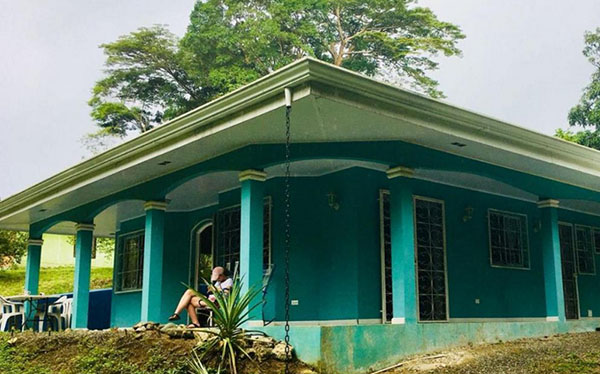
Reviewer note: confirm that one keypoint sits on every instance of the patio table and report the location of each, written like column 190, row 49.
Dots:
column 31, row 299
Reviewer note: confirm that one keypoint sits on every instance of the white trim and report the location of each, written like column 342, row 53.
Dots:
column 195, row 236
column 85, row 227
column 258, row 323
column 35, row 242
column 155, row 205
column 333, row 322
column 500, row 319
column 398, row 321
column 552, row 319
column 549, row 203
column 400, row 171
column 254, row 175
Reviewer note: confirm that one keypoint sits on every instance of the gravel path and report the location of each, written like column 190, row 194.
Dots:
column 568, row 353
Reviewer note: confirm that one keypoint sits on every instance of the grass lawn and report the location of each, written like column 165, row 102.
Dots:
column 52, row 280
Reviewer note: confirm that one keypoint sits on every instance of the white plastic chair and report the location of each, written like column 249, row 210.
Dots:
column 56, row 311
column 8, row 310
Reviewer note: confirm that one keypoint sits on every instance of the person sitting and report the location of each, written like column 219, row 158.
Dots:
column 190, row 301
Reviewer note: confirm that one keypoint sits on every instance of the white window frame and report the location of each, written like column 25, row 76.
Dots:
column 447, row 291
column 593, row 249
column 119, row 262
column 504, row 212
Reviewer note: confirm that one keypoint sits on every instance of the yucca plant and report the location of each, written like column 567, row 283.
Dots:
column 230, row 311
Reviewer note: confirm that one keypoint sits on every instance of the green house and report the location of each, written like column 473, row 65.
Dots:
column 415, row 225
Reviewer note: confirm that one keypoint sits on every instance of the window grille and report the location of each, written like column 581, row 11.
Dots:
column 596, row 232
column 584, row 250
column 431, row 259
column 228, row 236
column 386, row 254
column 509, row 245
column 130, row 262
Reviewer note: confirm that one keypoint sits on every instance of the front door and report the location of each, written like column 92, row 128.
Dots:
column 430, row 259
column 569, row 274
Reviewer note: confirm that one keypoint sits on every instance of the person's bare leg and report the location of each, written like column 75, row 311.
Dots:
column 184, row 302
column 194, row 303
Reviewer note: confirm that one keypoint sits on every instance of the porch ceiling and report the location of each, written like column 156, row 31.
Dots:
column 330, row 105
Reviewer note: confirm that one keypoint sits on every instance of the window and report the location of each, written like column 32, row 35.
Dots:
column 596, row 232
column 509, row 245
column 386, row 255
column 130, row 262
column 228, row 236
column 584, row 250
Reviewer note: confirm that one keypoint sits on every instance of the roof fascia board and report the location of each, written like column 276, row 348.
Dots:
column 172, row 132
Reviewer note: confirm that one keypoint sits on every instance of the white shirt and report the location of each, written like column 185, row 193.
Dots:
column 225, row 285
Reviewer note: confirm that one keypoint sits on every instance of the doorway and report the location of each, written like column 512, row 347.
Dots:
column 204, row 254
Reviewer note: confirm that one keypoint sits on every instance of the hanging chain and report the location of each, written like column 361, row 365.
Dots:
column 288, row 235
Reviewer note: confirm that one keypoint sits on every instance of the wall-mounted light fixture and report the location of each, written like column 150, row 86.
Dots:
column 468, row 214
column 332, row 200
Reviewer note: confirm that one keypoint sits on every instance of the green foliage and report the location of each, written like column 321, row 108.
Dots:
column 105, row 246
column 586, row 113
column 13, row 246
column 230, row 312
column 152, row 76
column 52, row 280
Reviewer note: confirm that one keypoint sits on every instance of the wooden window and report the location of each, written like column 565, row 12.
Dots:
column 130, row 262
column 509, row 245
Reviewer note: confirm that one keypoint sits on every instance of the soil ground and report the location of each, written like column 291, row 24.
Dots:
column 108, row 352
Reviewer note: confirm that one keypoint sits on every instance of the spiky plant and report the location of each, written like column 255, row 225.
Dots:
column 230, row 311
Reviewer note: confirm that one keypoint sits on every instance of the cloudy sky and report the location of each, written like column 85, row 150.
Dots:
column 521, row 63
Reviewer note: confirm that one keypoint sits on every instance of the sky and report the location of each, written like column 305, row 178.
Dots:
column 521, row 63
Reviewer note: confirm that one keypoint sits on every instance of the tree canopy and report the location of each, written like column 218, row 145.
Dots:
column 586, row 113
column 13, row 245
column 152, row 76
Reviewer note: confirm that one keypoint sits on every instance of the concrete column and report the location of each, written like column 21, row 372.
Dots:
column 251, row 233
column 153, row 261
column 403, row 246
column 32, row 269
column 83, row 266
column 553, row 286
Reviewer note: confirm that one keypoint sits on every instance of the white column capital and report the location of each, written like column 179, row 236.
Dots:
column 548, row 203
column 400, row 171
column 85, row 227
column 155, row 205
column 252, row 174
column 37, row 242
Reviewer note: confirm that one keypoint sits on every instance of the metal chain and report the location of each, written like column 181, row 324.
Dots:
column 288, row 235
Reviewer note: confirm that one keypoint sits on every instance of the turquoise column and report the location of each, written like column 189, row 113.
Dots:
column 553, row 287
column 251, row 234
column 403, row 246
column 153, row 261
column 83, row 265
column 32, row 269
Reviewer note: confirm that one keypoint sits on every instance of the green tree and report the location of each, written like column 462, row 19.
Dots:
column 586, row 113
column 152, row 76
column 13, row 246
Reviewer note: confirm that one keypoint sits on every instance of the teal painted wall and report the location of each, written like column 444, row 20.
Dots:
column 335, row 259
